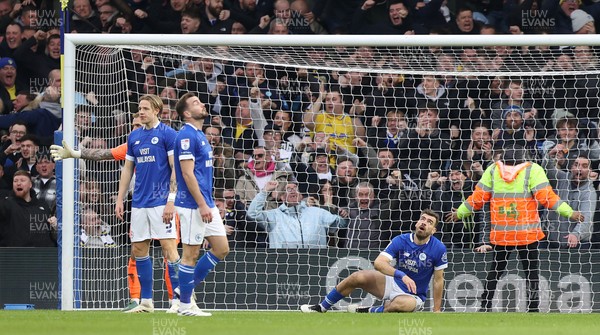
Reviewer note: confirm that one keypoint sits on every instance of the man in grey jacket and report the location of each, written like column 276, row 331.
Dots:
column 575, row 188
column 294, row 224
column 368, row 221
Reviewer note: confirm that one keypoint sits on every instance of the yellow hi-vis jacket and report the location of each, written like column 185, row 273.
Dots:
column 514, row 193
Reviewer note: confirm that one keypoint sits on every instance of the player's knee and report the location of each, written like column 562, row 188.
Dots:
column 171, row 254
column 358, row 279
column 401, row 306
column 139, row 250
column 190, row 257
column 221, row 252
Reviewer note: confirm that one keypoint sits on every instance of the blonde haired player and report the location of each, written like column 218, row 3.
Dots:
column 118, row 154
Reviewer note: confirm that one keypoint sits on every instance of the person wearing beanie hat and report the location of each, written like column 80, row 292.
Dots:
column 5, row 61
column 512, row 109
column 513, row 118
column 8, row 86
column 583, row 23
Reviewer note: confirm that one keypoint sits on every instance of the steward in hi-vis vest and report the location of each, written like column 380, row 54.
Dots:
column 514, row 192
column 514, row 188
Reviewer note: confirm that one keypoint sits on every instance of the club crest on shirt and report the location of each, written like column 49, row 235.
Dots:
column 422, row 256
column 154, row 140
column 185, row 144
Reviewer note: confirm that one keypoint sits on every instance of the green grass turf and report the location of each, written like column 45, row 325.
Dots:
column 283, row 323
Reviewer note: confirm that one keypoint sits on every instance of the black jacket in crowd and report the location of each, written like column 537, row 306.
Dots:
column 25, row 224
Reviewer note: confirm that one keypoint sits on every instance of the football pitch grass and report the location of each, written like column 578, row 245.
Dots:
column 284, row 323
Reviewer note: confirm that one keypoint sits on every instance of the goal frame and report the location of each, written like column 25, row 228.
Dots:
column 71, row 41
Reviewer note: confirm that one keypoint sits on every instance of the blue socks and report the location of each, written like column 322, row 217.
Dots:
column 189, row 276
column 331, row 299
column 203, row 267
column 186, row 283
column 173, row 269
column 376, row 309
column 145, row 275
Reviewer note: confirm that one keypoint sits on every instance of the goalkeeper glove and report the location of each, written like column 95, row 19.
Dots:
column 63, row 152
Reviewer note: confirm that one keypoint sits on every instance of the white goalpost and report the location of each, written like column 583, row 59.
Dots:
column 104, row 74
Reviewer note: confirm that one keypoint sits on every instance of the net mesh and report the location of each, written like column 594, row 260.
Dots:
column 102, row 123
column 417, row 124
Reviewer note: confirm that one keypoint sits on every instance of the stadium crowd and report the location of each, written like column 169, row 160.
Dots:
column 370, row 150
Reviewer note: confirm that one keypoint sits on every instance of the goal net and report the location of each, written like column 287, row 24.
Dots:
column 378, row 129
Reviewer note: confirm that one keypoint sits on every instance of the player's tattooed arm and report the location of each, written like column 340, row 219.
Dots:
column 96, row 154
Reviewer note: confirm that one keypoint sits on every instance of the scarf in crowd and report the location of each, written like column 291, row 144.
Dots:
column 270, row 169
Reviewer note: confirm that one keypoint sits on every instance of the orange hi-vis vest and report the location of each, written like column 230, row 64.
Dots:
column 514, row 193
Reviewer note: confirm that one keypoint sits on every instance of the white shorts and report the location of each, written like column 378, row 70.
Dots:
column 193, row 230
column 147, row 223
column 392, row 290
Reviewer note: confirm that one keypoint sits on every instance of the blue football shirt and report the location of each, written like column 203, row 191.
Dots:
column 417, row 261
column 191, row 143
column 149, row 150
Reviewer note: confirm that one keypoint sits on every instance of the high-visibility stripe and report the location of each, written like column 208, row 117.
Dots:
column 469, row 207
column 514, row 238
column 539, row 187
column 518, row 195
column 518, row 227
column 557, row 204
column 484, row 187
column 526, row 180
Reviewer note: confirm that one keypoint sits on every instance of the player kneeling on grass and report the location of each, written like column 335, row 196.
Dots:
column 418, row 256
